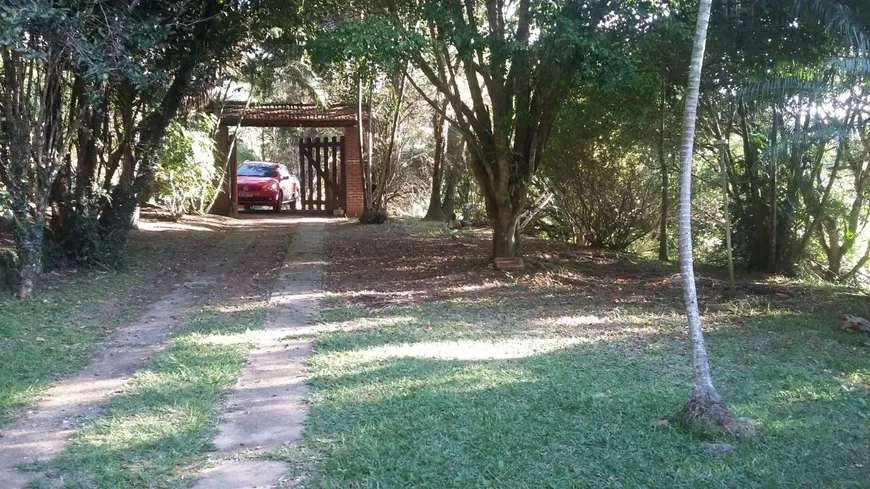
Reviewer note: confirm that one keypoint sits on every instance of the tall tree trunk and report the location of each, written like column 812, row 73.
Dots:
column 434, row 212
column 771, row 261
column 15, row 166
column 505, row 241
column 506, row 118
column 704, row 408
column 755, row 202
column 117, row 215
column 28, row 241
column 389, row 163
column 370, row 147
column 663, row 224
column 36, row 136
column 455, row 145
column 723, row 148
column 366, row 170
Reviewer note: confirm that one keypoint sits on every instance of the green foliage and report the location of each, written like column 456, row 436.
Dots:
column 609, row 203
column 186, row 171
column 372, row 44
column 21, row 19
column 399, row 419
column 601, row 163
column 8, row 270
column 244, row 153
column 41, row 340
column 5, row 201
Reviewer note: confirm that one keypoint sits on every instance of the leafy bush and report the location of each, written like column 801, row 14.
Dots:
column 607, row 203
column 186, row 175
column 4, row 201
column 8, row 270
column 602, row 164
column 244, row 153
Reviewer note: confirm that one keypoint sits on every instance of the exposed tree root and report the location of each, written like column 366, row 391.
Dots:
column 705, row 410
column 373, row 217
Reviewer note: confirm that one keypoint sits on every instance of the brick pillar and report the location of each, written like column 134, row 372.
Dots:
column 353, row 185
column 222, row 144
column 233, row 178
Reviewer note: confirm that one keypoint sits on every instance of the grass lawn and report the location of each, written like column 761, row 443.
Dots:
column 434, row 371
column 157, row 433
column 160, row 428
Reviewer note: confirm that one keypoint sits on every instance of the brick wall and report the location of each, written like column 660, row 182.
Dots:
column 232, row 188
column 353, row 186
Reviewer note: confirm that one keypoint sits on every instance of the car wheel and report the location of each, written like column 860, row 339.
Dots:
column 277, row 206
column 293, row 204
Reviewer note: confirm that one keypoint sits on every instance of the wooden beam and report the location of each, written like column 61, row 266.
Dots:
column 314, row 164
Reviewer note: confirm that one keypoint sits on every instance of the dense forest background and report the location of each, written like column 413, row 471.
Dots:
column 562, row 121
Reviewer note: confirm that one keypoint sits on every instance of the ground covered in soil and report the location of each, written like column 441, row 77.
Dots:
column 434, row 370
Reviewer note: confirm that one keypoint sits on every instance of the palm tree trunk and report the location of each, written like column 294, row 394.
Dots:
column 705, row 408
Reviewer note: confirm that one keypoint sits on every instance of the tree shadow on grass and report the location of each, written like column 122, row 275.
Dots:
column 465, row 395
column 583, row 416
column 162, row 425
column 430, row 372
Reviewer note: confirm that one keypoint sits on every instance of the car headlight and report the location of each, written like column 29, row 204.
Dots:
column 271, row 188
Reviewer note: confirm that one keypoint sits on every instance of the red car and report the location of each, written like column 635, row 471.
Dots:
column 266, row 183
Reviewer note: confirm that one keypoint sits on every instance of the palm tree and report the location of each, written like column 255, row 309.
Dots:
column 848, row 26
column 705, row 408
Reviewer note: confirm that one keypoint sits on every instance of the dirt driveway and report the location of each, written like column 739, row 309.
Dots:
column 231, row 263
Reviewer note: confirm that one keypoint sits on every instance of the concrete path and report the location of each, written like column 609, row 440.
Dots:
column 45, row 432
column 267, row 409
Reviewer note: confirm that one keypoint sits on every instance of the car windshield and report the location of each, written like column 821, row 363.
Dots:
column 258, row 170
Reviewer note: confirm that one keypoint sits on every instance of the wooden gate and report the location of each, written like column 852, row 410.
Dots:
column 322, row 174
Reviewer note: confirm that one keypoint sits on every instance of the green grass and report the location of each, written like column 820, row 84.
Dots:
column 408, row 398
column 53, row 334
column 157, row 433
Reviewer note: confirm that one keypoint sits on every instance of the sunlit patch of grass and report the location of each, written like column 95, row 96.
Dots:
column 859, row 379
column 53, row 334
column 496, row 394
column 569, row 321
column 661, row 319
column 339, row 325
column 753, row 306
column 235, row 308
column 159, row 429
column 466, row 349
column 543, row 283
column 414, row 227
column 488, row 286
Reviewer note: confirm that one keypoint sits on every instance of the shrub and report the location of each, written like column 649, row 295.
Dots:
column 608, row 202
column 372, row 217
column 186, row 174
